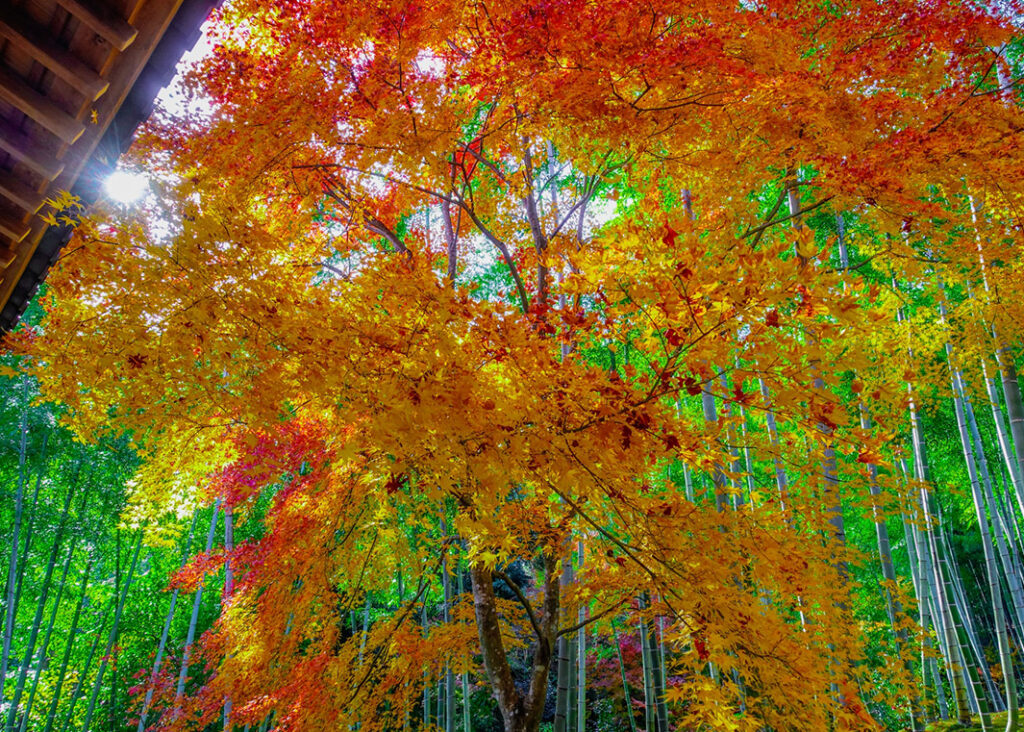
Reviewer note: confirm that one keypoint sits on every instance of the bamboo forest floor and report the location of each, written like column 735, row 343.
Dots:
column 998, row 723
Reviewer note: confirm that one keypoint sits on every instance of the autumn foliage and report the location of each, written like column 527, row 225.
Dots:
column 454, row 281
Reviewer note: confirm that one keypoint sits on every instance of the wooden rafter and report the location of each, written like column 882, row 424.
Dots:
column 68, row 105
column 103, row 21
column 20, row 95
column 35, row 41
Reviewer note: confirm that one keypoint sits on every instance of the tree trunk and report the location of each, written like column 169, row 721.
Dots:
column 519, row 713
column 451, row 242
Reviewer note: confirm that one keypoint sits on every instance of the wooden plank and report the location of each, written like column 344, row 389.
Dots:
column 25, row 150
column 12, row 228
column 7, row 254
column 131, row 10
column 16, row 92
column 32, row 39
column 21, row 194
column 107, row 25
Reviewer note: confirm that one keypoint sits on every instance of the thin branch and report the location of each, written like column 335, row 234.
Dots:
column 758, row 230
column 524, row 299
column 371, row 222
column 969, row 96
column 591, row 619
column 522, row 601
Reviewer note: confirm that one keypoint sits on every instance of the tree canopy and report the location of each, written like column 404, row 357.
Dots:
column 608, row 310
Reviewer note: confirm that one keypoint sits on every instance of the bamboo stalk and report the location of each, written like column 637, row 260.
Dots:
column 625, row 683
column 650, row 719
column 467, row 724
column 563, row 664
column 932, row 571
column 581, row 693
column 194, row 619
column 449, row 677
column 717, row 476
column 999, row 619
column 426, row 684
column 973, row 461
column 166, row 630
column 113, row 635
column 893, row 607
column 76, row 692
column 229, row 586
column 656, row 673
column 68, row 647
column 12, row 568
column 46, row 639
column 30, row 526
column 40, row 608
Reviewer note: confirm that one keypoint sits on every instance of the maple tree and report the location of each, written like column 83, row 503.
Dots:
column 480, row 286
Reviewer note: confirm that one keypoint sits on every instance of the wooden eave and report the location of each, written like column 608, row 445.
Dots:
column 76, row 78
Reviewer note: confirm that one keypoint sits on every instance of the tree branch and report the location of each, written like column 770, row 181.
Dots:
column 591, row 619
column 523, row 600
column 335, row 191
column 524, row 299
column 759, row 229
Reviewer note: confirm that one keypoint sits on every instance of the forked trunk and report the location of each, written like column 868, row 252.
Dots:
column 519, row 712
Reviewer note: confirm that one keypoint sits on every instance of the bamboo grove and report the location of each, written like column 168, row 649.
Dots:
column 537, row 365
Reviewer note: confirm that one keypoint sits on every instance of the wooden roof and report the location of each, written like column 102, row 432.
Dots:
column 76, row 79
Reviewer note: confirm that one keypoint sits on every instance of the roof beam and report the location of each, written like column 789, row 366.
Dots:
column 16, row 92
column 29, row 152
column 14, row 229
column 115, row 30
column 21, row 194
column 33, row 40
